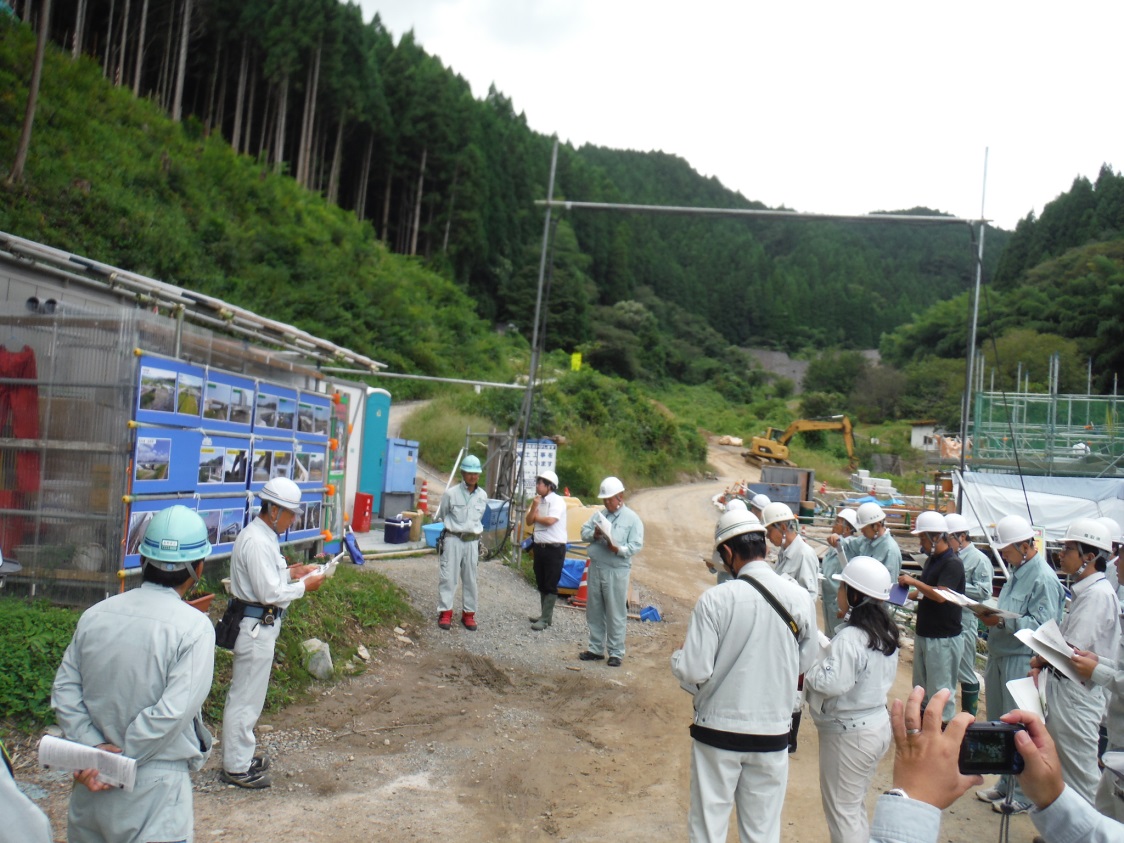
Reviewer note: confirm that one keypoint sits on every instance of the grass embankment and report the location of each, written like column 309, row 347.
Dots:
column 347, row 611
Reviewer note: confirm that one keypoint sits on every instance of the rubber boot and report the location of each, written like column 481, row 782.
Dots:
column 970, row 698
column 547, row 613
column 793, row 731
column 542, row 608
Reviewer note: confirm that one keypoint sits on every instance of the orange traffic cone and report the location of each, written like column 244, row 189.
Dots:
column 423, row 497
column 582, row 596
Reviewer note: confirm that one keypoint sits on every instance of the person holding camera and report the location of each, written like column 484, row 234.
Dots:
column 927, row 779
column 1073, row 712
column 1032, row 592
column 846, row 693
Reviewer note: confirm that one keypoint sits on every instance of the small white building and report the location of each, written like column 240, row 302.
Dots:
column 923, row 435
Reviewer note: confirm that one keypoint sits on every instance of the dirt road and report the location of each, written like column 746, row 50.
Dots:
column 504, row 735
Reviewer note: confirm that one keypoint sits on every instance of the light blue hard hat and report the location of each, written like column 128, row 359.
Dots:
column 175, row 538
column 471, row 464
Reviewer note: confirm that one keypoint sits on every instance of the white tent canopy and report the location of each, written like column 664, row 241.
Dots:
column 1054, row 502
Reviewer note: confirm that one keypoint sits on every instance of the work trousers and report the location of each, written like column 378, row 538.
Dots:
column 606, row 611
column 936, row 663
column 158, row 808
column 253, row 663
column 966, row 672
column 848, row 761
column 720, row 779
column 999, row 671
column 1073, row 717
column 1110, row 794
column 458, row 562
column 548, row 561
column 831, row 622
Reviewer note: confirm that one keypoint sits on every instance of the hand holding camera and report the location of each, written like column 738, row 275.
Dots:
column 923, row 756
column 1041, row 778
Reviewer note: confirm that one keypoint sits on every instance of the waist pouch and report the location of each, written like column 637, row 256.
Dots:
column 226, row 630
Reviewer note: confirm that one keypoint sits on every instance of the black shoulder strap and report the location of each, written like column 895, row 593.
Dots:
column 793, row 627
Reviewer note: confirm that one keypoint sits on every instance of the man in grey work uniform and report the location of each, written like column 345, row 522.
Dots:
column 462, row 512
column 610, row 561
column 133, row 680
column 743, row 651
column 259, row 577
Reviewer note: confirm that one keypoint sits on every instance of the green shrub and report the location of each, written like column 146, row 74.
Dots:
column 33, row 638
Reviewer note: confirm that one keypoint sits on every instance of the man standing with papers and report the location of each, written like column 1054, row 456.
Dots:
column 615, row 534
column 1032, row 592
column 133, row 680
column 1073, row 711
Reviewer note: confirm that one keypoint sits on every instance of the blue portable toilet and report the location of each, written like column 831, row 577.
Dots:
column 372, row 460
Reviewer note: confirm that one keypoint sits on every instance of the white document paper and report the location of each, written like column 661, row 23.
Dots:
column 606, row 527
column 328, row 569
column 1026, row 696
column 113, row 768
column 1047, row 641
column 982, row 609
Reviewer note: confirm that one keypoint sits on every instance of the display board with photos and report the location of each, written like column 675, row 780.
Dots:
column 207, row 432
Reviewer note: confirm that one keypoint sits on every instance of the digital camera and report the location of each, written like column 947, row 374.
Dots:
column 990, row 748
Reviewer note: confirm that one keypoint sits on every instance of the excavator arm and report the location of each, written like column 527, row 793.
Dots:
column 772, row 448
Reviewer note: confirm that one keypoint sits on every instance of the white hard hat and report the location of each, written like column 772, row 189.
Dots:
column 775, row 512
column 1012, row 529
column 868, row 575
column 1089, row 531
column 869, row 513
column 283, row 492
column 736, row 505
column 760, row 501
column 735, row 523
column 956, row 523
column 848, row 515
column 929, row 521
column 1113, row 528
column 549, row 476
column 610, row 487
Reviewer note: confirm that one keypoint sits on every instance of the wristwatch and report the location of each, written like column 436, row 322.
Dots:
column 896, row 791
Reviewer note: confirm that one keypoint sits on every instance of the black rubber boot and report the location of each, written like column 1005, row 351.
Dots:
column 547, row 613
column 542, row 604
column 970, row 699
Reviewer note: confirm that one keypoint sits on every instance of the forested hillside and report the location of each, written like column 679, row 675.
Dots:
column 303, row 161
column 381, row 128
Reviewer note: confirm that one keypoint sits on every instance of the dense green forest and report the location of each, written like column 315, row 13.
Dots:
column 303, row 162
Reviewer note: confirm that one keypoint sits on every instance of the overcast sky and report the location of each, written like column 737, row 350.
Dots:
column 828, row 107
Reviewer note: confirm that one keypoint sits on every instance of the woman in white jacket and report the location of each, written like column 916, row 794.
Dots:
column 847, row 697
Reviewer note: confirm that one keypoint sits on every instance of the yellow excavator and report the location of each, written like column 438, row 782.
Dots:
column 772, row 448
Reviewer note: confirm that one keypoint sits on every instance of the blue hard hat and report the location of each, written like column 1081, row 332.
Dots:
column 176, row 537
column 471, row 464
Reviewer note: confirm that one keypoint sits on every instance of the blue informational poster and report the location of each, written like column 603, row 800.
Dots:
column 205, row 437
column 166, row 460
column 275, row 410
column 228, row 402
column 169, row 392
column 225, row 518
